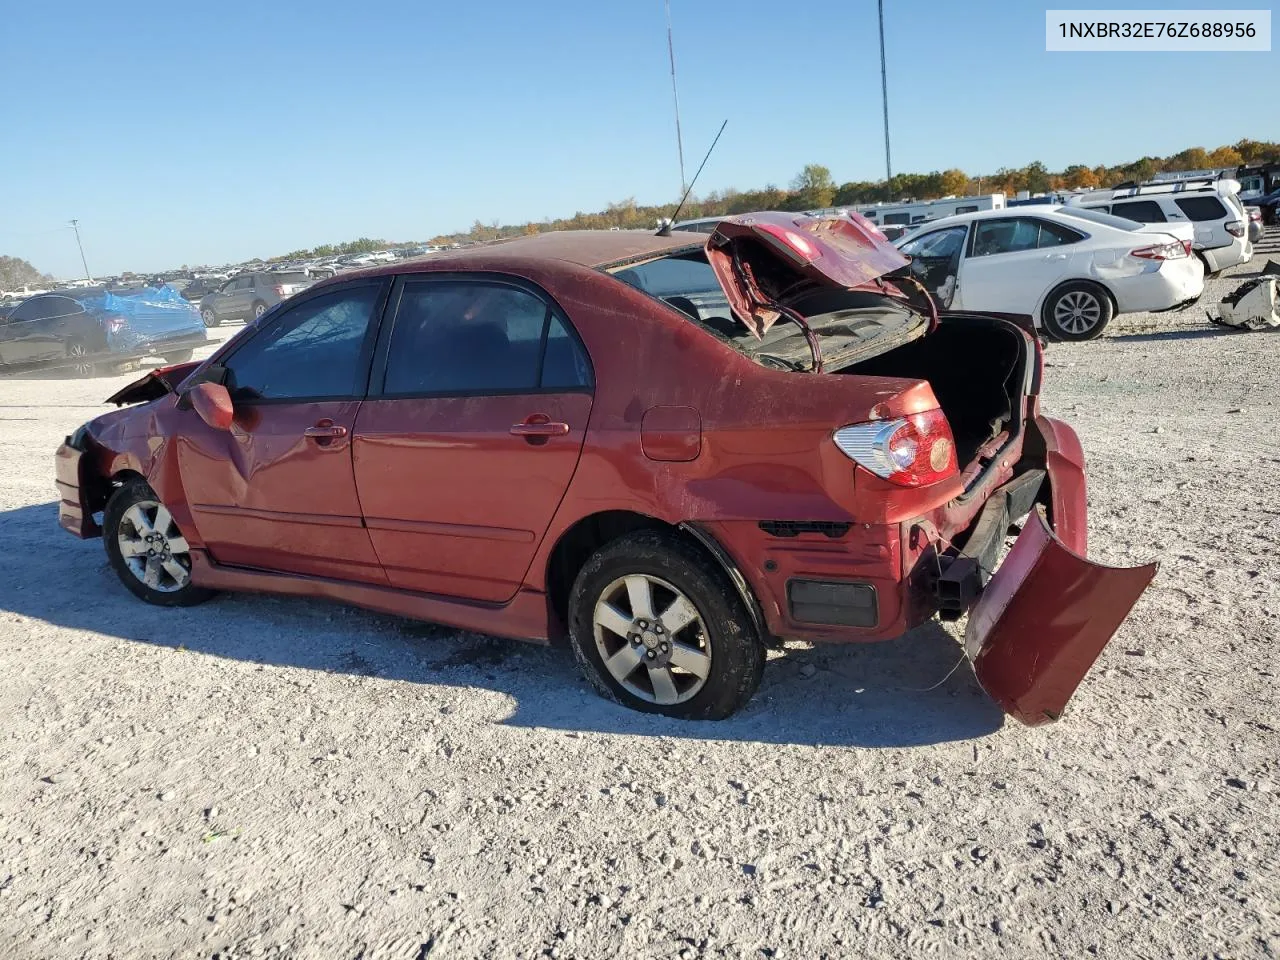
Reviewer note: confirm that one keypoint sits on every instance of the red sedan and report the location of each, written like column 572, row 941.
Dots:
column 671, row 450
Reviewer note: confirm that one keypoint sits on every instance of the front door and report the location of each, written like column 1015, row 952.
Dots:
column 1011, row 263
column 277, row 492
column 470, row 435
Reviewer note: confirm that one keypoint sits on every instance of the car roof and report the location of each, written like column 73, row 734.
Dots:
column 587, row 248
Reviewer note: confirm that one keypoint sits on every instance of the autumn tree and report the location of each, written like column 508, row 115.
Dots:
column 954, row 182
column 1225, row 157
column 813, row 187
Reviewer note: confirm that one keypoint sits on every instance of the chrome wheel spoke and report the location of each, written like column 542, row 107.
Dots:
column 691, row 660
column 622, row 663
column 641, row 597
column 152, row 576
column 132, row 547
column 664, row 688
column 613, row 619
column 176, row 570
column 678, row 615
column 178, row 544
column 163, row 521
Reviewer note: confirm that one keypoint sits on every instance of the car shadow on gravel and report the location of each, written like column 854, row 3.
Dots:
column 913, row 691
column 1174, row 335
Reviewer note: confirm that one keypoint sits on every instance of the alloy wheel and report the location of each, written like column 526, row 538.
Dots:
column 78, row 354
column 652, row 639
column 153, row 548
column 1077, row 311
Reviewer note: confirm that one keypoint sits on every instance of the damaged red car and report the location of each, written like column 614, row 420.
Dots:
column 670, row 450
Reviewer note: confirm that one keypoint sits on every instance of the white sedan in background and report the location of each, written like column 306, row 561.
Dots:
column 1069, row 268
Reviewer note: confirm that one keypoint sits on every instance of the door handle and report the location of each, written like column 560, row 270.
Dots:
column 538, row 428
column 325, row 431
column 1056, row 256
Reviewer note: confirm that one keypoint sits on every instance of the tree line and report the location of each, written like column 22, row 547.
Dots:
column 815, row 188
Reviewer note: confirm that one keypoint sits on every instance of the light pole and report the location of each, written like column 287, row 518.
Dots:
column 75, row 225
column 884, row 92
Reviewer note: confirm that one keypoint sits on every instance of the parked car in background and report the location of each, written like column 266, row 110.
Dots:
column 250, row 295
column 1212, row 207
column 699, row 225
column 87, row 330
column 1071, row 268
column 686, row 491
column 1269, row 204
column 199, row 287
column 1256, row 228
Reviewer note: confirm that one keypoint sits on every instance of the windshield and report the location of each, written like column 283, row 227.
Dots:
column 1095, row 216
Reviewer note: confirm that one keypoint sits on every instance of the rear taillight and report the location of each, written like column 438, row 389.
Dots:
column 1236, row 228
column 1255, row 215
column 279, row 289
column 791, row 242
column 114, row 324
column 909, row 451
column 1163, row 251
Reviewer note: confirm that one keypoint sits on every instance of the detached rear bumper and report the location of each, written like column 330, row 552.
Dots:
column 1048, row 611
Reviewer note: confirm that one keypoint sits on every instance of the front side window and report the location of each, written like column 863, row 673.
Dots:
column 457, row 337
column 1143, row 211
column 1201, row 209
column 938, row 245
column 311, row 351
column 1004, row 236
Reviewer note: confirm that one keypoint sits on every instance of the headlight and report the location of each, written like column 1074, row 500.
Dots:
column 77, row 440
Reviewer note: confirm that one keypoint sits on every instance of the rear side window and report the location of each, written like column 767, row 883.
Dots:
column 1143, row 211
column 1056, row 235
column 1201, row 209
column 479, row 338
column 311, row 351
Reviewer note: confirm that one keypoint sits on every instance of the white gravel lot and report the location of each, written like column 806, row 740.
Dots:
column 277, row 777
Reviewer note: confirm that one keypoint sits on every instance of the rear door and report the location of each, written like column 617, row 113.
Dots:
column 471, row 433
column 1011, row 262
column 277, row 492
column 32, row 330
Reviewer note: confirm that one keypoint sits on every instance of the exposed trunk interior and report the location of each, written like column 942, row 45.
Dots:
column 976, row 367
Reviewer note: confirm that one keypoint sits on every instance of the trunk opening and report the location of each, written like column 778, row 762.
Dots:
column 977, row 369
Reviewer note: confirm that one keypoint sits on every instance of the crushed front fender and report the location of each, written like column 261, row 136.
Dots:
column 1043, row 619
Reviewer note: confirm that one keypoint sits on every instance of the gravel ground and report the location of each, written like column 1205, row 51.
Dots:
column 276, row 777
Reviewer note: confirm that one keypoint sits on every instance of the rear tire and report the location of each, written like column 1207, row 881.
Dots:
column 1077, row 311
column 179, row 356
column 695, row 654
column 259, row 308
column 209, row 317
column 157, row 569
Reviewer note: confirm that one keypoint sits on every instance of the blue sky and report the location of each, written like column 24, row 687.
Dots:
column 205, row 133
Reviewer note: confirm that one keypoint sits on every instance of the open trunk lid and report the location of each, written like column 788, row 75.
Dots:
column 844, row 251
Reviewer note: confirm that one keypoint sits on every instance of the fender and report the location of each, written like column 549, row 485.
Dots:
column 1064, row 464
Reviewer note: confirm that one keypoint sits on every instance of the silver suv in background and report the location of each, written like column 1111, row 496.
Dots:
column 1212, row 207
column 250, row 295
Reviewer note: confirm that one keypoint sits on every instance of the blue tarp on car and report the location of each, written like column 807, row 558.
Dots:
column 151, row 316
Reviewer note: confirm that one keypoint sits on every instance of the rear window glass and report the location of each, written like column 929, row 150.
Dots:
column 1144, row 211
column 1096, row 216
column 1201, row 209
column 671, row 276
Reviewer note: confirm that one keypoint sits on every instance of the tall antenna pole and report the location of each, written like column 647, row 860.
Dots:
column 75, row 225
column 671, row 53
column 884, row 92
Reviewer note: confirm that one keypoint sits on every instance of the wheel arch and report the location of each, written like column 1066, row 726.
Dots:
column 588, row 534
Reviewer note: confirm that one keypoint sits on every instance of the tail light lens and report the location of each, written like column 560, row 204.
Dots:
column 1236, row 228
column 910, row 451
column 1164, row 251
column 279, row 289
column 791, row 242
column 114, row 324
column 1255, row 215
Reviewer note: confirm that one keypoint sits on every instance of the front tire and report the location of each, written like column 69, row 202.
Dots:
column 147, row 550
column 657, row 626
column 1077, row 311
column 259, row 309
column 209, row 317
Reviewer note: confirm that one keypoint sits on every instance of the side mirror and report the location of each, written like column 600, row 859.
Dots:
column 212, row 403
